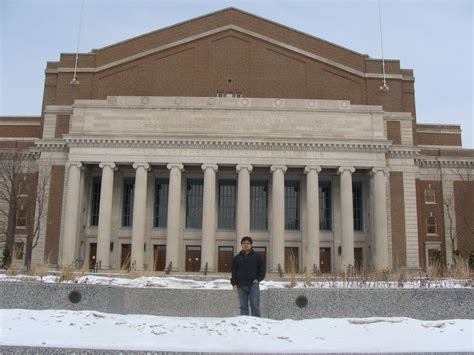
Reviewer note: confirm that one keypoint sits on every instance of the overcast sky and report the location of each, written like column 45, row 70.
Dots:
column 433, row 37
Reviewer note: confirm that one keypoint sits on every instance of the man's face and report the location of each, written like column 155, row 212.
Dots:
column 246, row 245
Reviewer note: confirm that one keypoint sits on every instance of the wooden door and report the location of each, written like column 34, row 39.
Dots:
column 358, row 259
column 291, row 260
column 325, row 260
column 193, row 258
column 125, row 255
column 225, row 256
column 159, row 257
column 92, row 255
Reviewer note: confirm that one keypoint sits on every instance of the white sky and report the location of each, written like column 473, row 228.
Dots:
column 433, row 37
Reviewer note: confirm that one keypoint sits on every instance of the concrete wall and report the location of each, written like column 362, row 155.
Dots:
column 426, row 304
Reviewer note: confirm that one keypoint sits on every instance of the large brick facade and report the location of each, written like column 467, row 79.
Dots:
column 137, row 102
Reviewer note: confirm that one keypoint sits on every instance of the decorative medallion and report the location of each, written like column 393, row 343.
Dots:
column 278, row 102
column 111, row 100
column 211, row 101
column 245, row 102
column 145, row 100
column 178, row 101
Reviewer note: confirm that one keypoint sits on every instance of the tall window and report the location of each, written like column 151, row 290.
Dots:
column 127, row 204
column 325, row 222
column 292, row 205
column 357, row 205
column 21, row 217
column 160, row 216
column 430, row 195
column 431, row 227
column 194, row 203
column 95, row 200
column 259, row 204
column 226, row 204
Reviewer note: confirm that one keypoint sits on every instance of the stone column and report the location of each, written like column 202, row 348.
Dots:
column 312, row 226
column 347, row 220
column 71, row 217
column 139, row 214
column 243, row 202
column 174, row 216
column 380, row 220
column 209, row 218
column 105, row 214
column 278, row 217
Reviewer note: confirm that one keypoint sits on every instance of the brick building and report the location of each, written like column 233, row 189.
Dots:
column 176, row 143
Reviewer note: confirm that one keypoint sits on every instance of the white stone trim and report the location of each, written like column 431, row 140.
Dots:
column 411, row 220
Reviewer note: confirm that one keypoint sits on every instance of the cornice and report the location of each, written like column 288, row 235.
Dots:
column 223, row 29
column 403, row 152
column 445, row 162
column 375, row 147
column 51, row 145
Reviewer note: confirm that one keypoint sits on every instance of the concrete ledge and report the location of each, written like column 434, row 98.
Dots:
column 425, row 304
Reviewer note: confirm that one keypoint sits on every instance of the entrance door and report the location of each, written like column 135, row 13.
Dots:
column 325, row 260
column 159, row 257
column 125, row 256
column 193, row 258
column 92, row 255
column 358, row 259
column 291, row 260
column 226, row 254
column 262, row 251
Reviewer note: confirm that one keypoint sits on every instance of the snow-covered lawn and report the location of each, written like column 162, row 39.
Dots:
column 90, row 329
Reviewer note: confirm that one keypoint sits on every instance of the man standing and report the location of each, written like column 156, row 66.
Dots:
column 248, row 271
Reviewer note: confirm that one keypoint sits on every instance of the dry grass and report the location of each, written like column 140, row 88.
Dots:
column 67, row 273
column 460, row 268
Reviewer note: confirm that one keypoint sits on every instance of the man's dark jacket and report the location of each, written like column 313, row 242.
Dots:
column 246, row 268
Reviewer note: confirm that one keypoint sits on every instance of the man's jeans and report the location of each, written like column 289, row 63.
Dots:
column 249, row 294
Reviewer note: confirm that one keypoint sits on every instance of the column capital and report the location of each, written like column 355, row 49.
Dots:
column 283, row 168
column 308, row 168
column 76, row 164
column 108, row 164
column 383, row 170
column 209, row 166
column 341, row 169
column 175, row 165
column 137, row 165
column 244, row 166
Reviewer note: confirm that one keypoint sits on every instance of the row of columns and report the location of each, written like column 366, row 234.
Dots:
column 208, row 245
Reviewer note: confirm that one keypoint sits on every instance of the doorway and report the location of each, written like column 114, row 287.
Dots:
column 92, row 255
column 225, row 257
column 325, row 260
column 125, row 255
column 159, row 257
column 291, row 260
column 193, row 258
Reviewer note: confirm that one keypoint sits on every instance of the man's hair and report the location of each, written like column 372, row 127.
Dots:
column 246, row 239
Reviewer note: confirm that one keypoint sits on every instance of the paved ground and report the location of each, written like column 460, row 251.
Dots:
column 21, row 350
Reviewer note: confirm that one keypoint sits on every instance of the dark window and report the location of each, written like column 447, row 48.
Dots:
column 194, row 203
column 161, row 203
column 357, row 205
column 259, row 204
column 226, row 204
column 127, row 204
column 95, row 200
column 325, row 222
column 292, row 205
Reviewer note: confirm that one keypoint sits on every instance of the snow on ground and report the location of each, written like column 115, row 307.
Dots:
column 91, row 329
column 186, row 283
